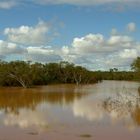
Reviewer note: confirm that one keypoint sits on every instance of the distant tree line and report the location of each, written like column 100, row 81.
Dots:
column 115, row 74
column 27, row 74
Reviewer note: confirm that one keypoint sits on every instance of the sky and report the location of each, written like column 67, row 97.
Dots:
column 96, row 34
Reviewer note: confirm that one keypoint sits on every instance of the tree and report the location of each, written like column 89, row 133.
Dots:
column 136, row 67
column 38, row 71
column 79, row 74
column 66, row 69
column 20, row 71
column 51, row 72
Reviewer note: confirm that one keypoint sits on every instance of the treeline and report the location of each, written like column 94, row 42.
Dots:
column 27, row 74
column 116, row 75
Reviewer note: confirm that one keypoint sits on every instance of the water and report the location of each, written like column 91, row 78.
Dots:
column 105, row 111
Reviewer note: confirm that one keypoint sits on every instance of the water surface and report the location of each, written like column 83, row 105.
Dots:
column 105, row 111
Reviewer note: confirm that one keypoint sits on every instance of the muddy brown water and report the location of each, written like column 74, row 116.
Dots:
column 105, row 111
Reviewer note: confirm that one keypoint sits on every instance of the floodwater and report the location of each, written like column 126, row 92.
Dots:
column 105, row 111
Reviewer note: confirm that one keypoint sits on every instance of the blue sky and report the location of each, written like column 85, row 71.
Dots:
column 99, row 34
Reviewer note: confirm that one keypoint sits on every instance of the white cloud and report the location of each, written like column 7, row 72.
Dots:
column 65, row 50
column 35, row 54
column 43, row 54
column 40, row 50
column 129, row 53
column 117, row 62
column 28, row 35
column 131, row 27
column 96, row 43
column 119, row 40
column 7, row 48
column 7, row 4
column 94, row 51
column 88, row 43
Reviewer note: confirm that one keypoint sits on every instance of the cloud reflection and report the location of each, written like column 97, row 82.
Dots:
column 121, row 108
column 27, row 119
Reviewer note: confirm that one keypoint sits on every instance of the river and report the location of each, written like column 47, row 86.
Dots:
column 104, row 111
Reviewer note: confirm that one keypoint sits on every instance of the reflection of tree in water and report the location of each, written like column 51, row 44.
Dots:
column 136, row 116
column 14, row 99
column 124, row 105
column 63, row 94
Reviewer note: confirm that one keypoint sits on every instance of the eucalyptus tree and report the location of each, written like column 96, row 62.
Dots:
column 51, row 73
column 79, row 74
column 21, row 72
column 16, row 72
column 66, row 72
column 38, row 72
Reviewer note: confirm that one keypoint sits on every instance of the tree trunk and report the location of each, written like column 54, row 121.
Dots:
column 77, row 79
column 19, row 80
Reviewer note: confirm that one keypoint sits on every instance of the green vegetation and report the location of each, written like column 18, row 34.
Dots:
column 27, row 74
column 116, row 75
